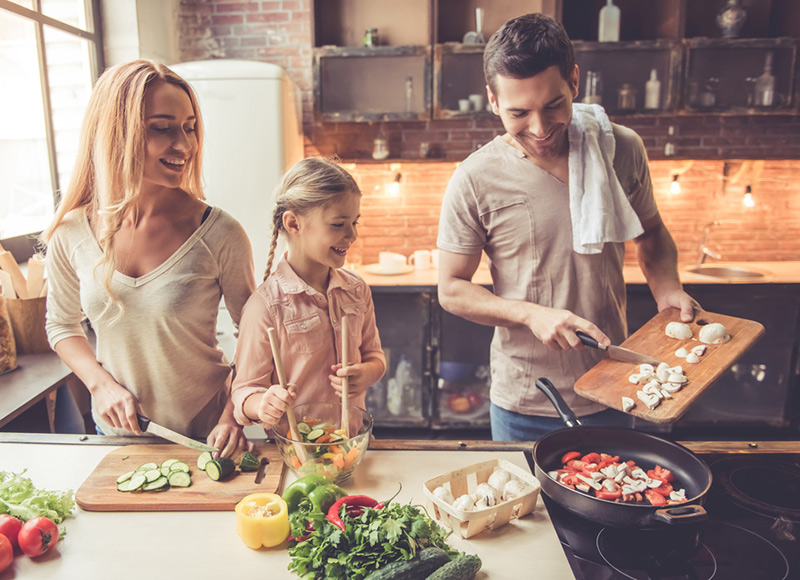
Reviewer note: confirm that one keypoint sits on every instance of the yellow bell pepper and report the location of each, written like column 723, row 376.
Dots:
column 262, row 519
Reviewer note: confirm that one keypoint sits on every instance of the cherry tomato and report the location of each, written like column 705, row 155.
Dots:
column 6, row 552
column 37, row 536
column 570, row 456
column 9, row 527
column 654, row 497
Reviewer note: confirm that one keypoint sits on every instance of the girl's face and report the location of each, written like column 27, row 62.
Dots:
column 170, row 133
column 326, row 234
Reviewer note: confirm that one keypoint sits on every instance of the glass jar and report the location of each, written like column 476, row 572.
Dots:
column 626, row 97
column 371, row 37
column 8, row 348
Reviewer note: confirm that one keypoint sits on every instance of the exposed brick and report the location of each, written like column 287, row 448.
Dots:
column 218, row 19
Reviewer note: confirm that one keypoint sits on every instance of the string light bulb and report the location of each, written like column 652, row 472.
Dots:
column 394, row 187
column 675, row 186
column 748, row 200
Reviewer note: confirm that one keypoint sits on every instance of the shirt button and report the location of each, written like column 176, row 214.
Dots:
column 303, row 326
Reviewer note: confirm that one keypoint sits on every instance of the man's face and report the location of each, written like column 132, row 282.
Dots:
column 536, row 111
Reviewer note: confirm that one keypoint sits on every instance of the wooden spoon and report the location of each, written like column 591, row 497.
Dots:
column 276, row 356
column 345, row 380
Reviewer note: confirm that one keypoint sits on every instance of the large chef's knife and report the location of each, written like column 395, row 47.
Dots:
column 147, row 425
column 617, row 352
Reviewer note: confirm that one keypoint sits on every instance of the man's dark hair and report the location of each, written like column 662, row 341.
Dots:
column 525, row 46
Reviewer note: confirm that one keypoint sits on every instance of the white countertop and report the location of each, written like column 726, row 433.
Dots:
column 136, row 545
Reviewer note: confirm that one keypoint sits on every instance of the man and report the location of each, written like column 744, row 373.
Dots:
column 514, row 200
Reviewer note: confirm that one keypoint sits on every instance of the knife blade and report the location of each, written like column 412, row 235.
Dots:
column 617, row 352
column 147, row 425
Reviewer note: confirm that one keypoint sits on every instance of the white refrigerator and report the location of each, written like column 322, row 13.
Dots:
column 253, row 134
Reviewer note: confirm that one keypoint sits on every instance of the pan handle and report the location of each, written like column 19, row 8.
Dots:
column 550, row 391
column 685, row 514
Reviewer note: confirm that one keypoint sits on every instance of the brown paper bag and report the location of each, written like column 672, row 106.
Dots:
column 8, row 347
column 27, row 319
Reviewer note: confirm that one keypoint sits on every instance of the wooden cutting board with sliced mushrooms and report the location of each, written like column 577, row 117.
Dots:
column 666, row 397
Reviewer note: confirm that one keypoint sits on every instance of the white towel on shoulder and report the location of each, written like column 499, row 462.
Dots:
column 599, row 208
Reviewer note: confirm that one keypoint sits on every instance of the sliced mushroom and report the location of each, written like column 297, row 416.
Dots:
column 692, row 358
column 627, row 404
column 714, row 333
column 681, row 353
column 699, row 350
column 678, row 330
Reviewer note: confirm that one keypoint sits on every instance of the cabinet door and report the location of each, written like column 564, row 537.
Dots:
column 402, row 396
column 461, row 375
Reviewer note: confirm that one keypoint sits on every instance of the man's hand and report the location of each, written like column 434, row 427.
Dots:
column 682, row 301
column 557, row 328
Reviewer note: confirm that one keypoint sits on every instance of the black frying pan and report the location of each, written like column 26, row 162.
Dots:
column 691, row 473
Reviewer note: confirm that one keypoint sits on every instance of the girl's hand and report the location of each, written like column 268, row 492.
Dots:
column 358, row 379
column 228, row 436
column 274, row 403
column 116, row 406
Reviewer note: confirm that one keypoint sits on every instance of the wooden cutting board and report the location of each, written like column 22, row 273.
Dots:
column 607, row 382
column 99, row 491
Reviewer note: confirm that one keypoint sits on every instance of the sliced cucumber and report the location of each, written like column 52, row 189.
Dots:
column 165, row 470
column 125, row 476
column 304, row 427
column 168, row 462
column 203, row 460
column 218, row 469
column 179, row 479
column 248, row 462
column 147, row 466
column 160, row 483
column 315, row 434
column 179, row 466
column 152, row 474
column 135, row 481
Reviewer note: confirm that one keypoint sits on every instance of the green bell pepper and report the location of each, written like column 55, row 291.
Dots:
column 320, row 492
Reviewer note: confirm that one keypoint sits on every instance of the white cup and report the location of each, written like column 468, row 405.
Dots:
column 421, row 259
column 477, row 101
column 435, row 258
column 391, row 262
column 463, row 105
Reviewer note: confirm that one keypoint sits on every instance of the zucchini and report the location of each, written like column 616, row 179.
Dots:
column 248, row 462
column 425, row 563
column 179, row 479
column 125, row 476
column 462, row 568
column 203, row 460
column 147, row 466
column 152, row 474
column 179, row 466
column 168, row 462
column 315, row 434
column 164, row 470
column 133, row 483
column 304, row 428
column 219, row 469
column 160, row 483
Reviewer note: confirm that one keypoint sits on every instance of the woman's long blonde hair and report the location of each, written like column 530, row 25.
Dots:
column 109, row 168
column 312, row 183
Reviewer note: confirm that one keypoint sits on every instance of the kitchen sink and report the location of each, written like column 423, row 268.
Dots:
column 728, row 272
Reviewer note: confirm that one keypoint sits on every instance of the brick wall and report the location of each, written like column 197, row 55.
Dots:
column 279, row 32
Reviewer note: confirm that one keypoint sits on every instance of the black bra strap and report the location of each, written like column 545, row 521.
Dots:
column 205, row 214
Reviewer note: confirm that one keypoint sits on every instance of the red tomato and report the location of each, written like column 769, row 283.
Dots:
column 37, row 536
column 659, row 473
column 6, row 552
column 9, row 527
column 664, row 489
column 591, row 458
column 569, row 456
column 654, row 497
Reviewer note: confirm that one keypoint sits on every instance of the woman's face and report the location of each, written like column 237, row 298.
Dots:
column 170, row 133
column 326, row 234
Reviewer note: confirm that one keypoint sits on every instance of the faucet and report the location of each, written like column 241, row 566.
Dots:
column 703, row 251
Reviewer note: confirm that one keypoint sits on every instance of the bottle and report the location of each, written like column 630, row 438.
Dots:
column 608, row 25
column 652, row 92
column 669, row 148
column 409, row 94
column 594, row 88
column 764, row 89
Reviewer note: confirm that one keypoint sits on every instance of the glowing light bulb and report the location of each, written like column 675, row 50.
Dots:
column 393, row 189
column 748, row 200
column 675, row 186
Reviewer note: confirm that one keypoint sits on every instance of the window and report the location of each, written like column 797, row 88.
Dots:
column 50, row 55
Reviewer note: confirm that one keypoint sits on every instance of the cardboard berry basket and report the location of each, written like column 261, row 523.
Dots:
column 466, row 480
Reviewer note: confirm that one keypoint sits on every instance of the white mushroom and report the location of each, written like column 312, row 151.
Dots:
column 514, row 489
column 677, row 370
column 443, row 494
column 634, row 378
column 678, row 330
column 627, row 404
column 464, row 503
column 676, row 378
column 671, row 387
column 498, row 479
column 663, row 371
column 651, row 401
column 646, row 369
column 665, row 394
column 714, row 333
column 681, row 353
column 692, row 358
column 699, row 350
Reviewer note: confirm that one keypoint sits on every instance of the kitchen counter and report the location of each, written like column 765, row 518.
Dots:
column 776, row 273
column 122, row 545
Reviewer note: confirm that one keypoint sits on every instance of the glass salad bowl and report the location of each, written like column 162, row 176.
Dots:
column 322, row 446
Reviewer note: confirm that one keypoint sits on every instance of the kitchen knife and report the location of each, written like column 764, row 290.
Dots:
column 617, row 352
column 147, row 425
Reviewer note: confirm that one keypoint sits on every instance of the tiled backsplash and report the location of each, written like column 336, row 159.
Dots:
column 770, row 230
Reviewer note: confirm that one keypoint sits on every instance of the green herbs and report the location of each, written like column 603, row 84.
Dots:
column 371, row 540
column 19, row 498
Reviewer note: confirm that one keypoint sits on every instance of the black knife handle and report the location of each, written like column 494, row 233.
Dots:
column 588, row 340
column 144, row 422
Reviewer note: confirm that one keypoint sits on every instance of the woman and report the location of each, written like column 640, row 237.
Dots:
column 134, row 247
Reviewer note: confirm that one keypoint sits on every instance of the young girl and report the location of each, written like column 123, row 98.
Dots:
column 304, row 299
column 134, row 247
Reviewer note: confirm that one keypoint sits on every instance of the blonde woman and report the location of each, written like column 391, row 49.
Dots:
column 317, row 206
column 134, row 247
